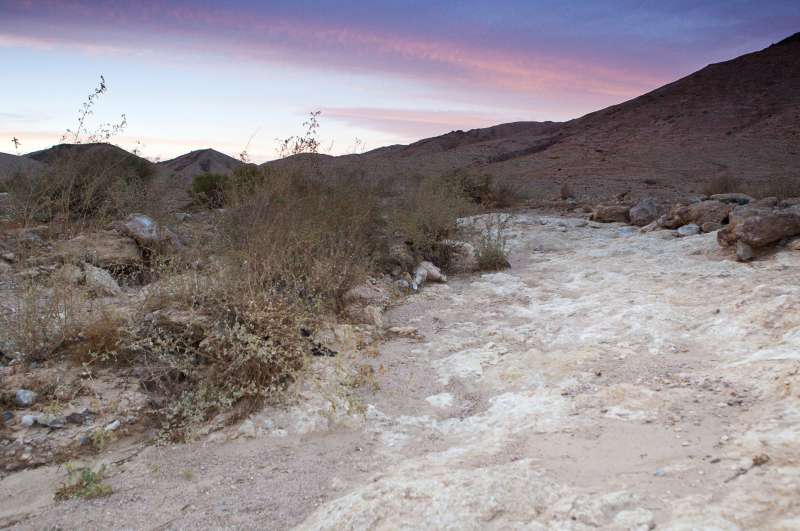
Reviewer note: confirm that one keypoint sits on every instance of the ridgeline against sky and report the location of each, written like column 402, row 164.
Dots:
column 197, row 74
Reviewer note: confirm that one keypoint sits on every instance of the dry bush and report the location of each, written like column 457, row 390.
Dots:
column 492, row 250
column 82, row 185
column 428, row 213
column 566, row 191
column 723, row 184
column 301, row 237
column 781, row 187
column 45, row 314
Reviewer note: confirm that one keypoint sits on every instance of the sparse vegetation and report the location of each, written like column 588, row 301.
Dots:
column 209, row 189
column 492, row 251
column 85, row 483
column 723, row 184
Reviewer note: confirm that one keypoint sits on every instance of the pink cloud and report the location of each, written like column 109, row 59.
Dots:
column 301, row 41
column 409, row 123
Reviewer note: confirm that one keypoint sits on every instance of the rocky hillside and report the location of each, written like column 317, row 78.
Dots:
column 738, row 118
column 186, row 166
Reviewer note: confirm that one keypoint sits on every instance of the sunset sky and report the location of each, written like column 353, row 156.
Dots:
column 201, row 74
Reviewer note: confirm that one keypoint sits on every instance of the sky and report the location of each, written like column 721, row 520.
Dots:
column 244, row 73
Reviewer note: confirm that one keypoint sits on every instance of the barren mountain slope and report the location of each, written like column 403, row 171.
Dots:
column 738, row 118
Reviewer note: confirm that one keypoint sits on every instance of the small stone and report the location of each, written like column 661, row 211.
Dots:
column 689, row 230
column 8, row 416
column 247, row 429
column 9, row 257
column 183, row 216
column 113, row 426
column 28, row 420
column 25, row 397
column 50, row 421
column 660, row 472
column 76, row 418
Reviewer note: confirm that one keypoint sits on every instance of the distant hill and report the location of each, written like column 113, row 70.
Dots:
column 11, row 164
column 739, row 118
column 177, row 174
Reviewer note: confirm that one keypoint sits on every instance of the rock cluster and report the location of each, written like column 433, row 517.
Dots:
column 741, row 222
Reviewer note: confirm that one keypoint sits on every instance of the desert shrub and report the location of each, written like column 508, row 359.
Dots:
column 483, row 189
column 306, row 238
column 83, row 482
column 43, row 316
column 723, row 184
column 566, row 191
column 492, row 249
column 781, row 187
column 226, row 349
column 428, row 213
column 81, row 184
column 209, row 189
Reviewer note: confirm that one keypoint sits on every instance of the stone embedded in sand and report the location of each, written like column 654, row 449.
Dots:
column 769, row 202
column 25, row 397
column 610, row 214
column 644, row 212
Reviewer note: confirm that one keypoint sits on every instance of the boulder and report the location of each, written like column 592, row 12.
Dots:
column 100, row 282
column 426, row 272
column 148, row 233
column 462, row 257
column 610, row 214
column 71, row 274
column 644, row 212
column 711, row 211
column 727, row 236
column 365, row 303
column 689, row 230
column 794, row 245
column 733, row 198
column 759, row 231
column 105, row 249
column 25, row 397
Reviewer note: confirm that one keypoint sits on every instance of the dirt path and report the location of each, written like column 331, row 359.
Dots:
column 606, row 380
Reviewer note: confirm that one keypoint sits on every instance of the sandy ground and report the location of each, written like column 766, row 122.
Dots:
column 607, row 380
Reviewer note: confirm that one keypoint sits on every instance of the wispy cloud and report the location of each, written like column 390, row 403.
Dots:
column 408, row 123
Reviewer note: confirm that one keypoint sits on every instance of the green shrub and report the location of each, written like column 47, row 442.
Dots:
column 209, row 189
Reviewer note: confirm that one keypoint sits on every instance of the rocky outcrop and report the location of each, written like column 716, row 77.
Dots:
column 610, row 214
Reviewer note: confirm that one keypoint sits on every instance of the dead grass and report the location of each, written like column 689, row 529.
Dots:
column 723, row 184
